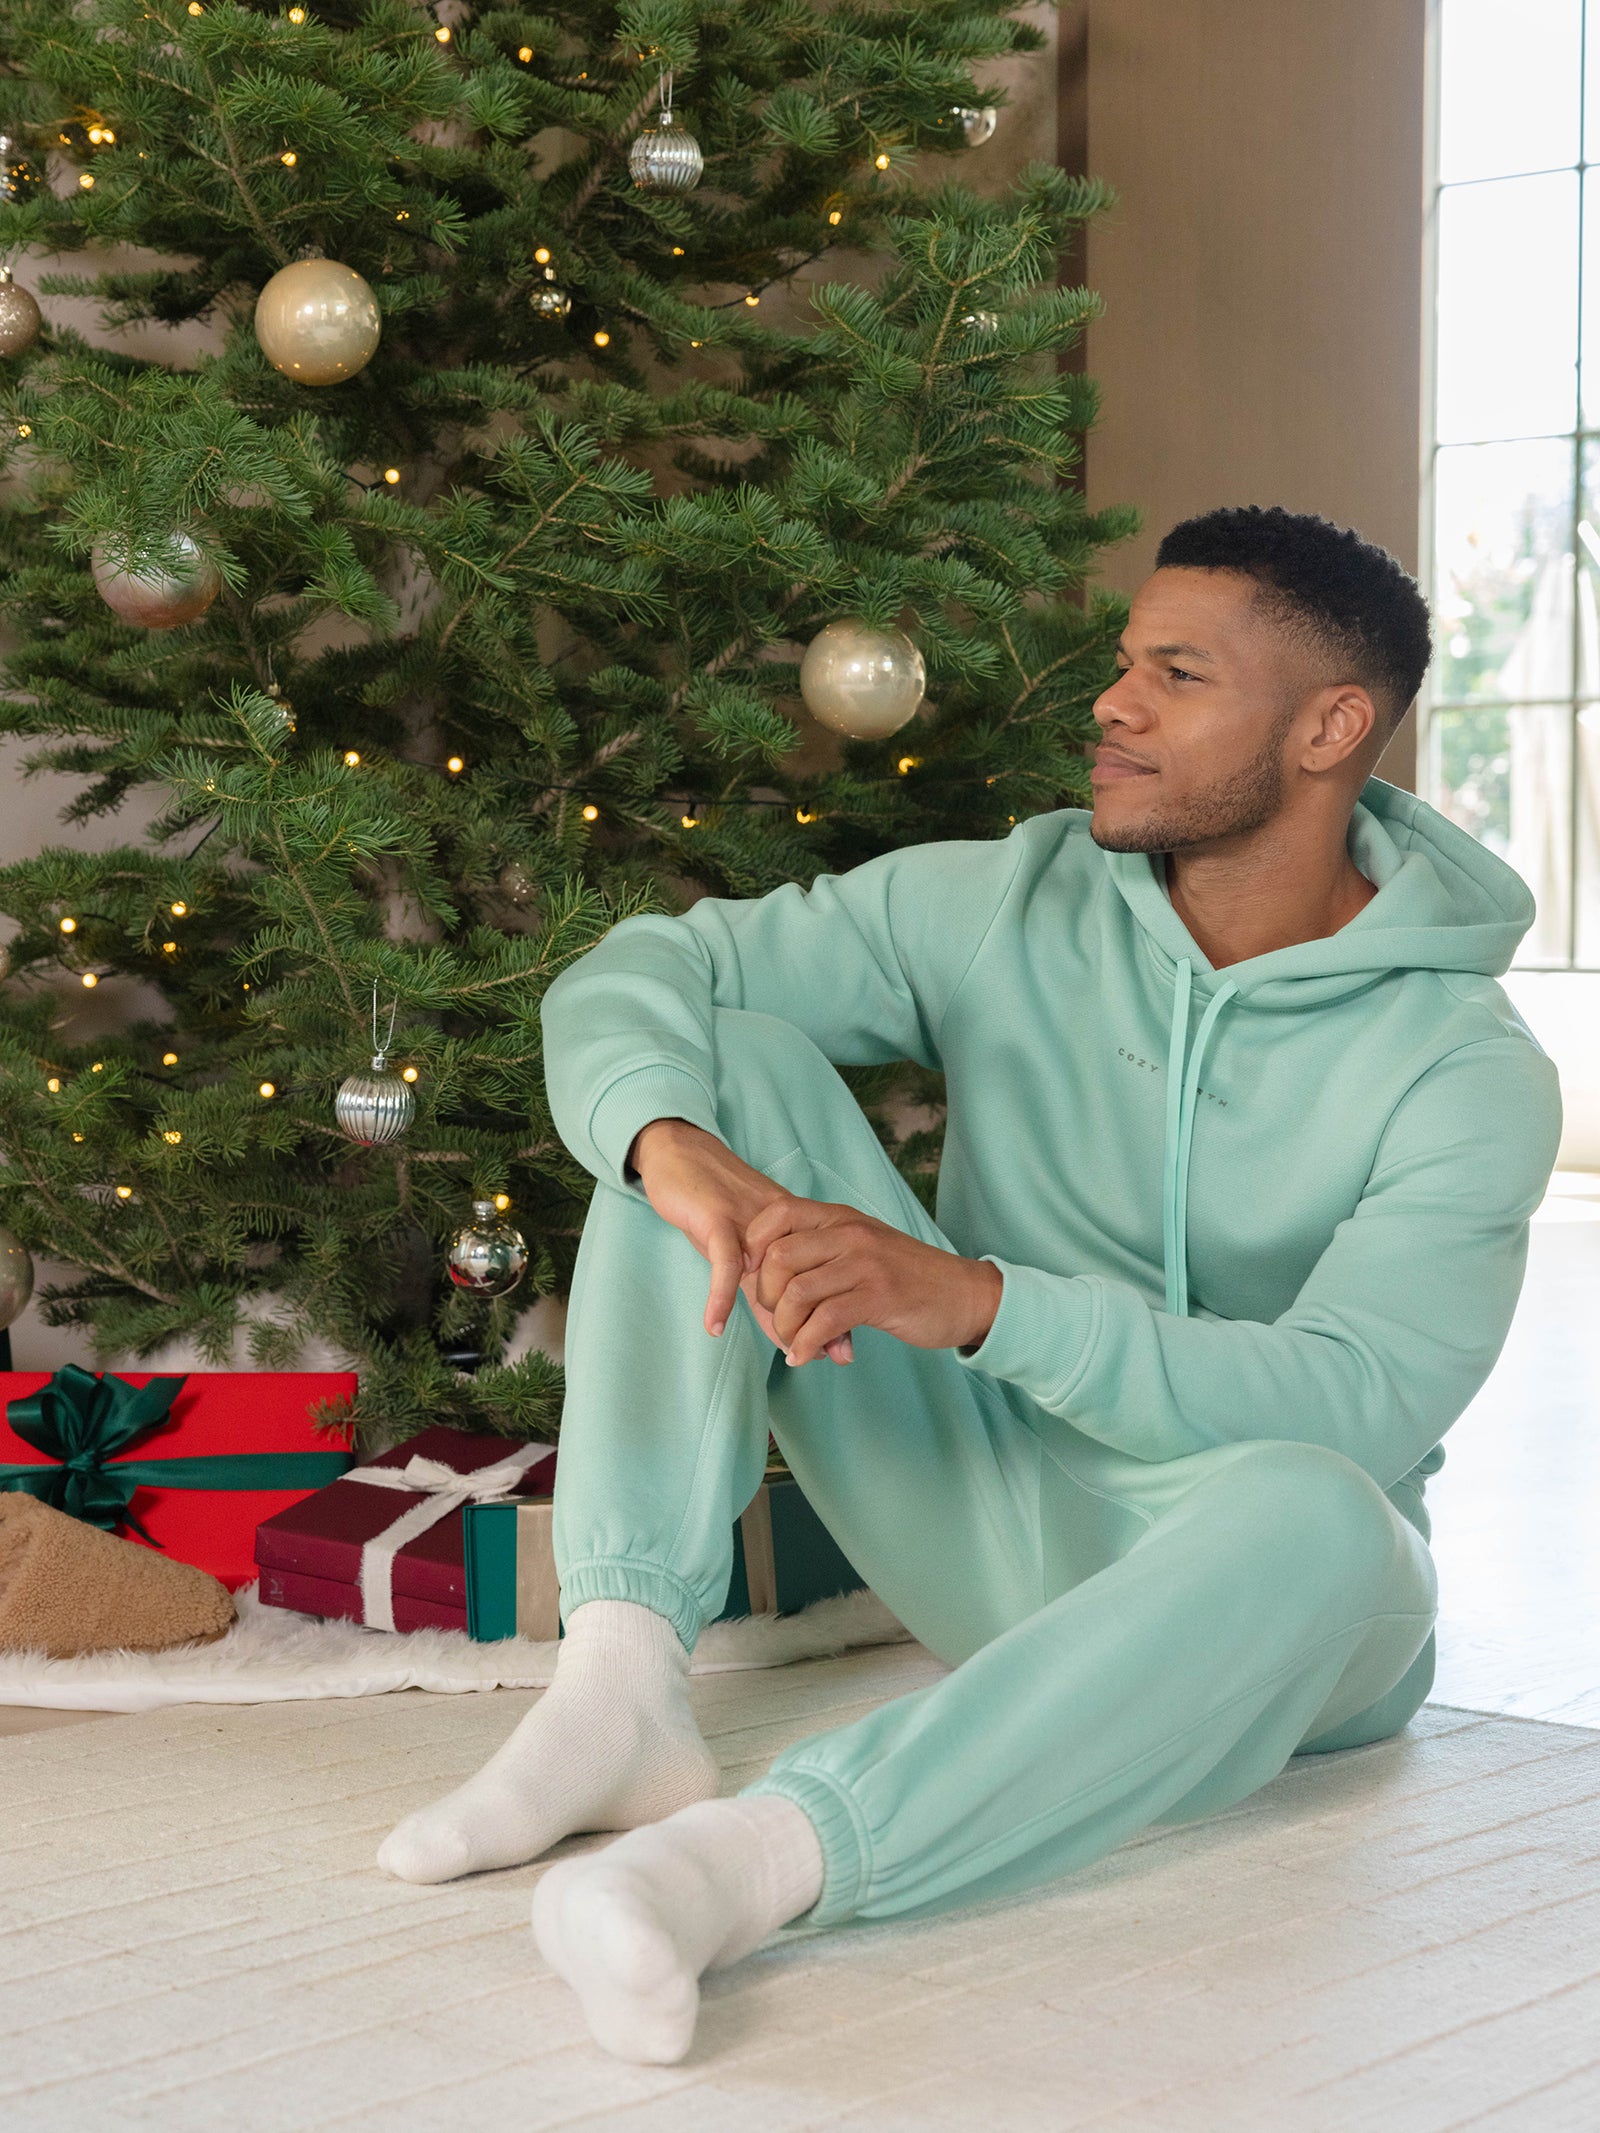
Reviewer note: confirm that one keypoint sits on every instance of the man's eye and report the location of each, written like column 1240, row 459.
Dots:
column 1180, row 674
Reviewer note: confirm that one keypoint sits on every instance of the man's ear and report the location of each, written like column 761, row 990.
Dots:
column 1345, row 719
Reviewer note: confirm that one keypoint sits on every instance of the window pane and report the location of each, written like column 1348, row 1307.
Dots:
column 1591, row 281
column 1503, row 571
column 1588, row 944
column 1508, row 309
column 1508, row 87
column 1501, row 771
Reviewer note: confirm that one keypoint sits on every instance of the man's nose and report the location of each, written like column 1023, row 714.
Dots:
column 1119, row 705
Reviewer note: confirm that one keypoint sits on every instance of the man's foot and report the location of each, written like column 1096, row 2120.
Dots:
column 612, row 1743
column 632, row 1928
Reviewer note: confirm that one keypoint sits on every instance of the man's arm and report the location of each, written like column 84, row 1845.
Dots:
column 1395, row 1329
column 863, row 963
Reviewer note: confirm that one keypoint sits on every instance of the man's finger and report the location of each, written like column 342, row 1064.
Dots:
column 829, row 1322
column 724, row 1250
column 779, row 1218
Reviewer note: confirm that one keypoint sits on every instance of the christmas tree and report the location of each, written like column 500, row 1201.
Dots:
column 467, row 611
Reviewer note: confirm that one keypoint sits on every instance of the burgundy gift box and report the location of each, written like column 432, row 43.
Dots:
column 310, row 1556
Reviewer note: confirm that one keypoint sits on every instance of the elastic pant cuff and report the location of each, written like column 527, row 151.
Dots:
column 645, row 1584
column 846, row 1849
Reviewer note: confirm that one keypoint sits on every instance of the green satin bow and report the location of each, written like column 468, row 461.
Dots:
column 81, row 1422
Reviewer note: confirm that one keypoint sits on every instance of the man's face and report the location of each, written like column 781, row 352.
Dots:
column 1194, row 730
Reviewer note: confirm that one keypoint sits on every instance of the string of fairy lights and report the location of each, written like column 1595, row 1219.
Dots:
column 663, row 158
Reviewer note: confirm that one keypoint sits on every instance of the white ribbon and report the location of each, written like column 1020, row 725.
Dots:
column 443, row 1491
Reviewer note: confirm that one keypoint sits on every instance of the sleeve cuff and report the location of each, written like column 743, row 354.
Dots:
column 1042, row 1332
column 631, row 1103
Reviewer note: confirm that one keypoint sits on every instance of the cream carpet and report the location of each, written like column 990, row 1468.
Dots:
column 1401, row 1940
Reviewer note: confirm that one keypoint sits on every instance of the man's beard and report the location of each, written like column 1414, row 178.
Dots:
column 1245, row 800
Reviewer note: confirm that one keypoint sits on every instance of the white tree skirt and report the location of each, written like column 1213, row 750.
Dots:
column 272, row 1655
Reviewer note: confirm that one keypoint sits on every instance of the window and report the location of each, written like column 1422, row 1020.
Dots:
column 1511, row 724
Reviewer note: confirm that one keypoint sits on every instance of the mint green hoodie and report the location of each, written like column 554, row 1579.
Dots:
column 1285, row 1200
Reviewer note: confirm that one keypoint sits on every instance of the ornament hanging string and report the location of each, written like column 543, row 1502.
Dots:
column 380, row 1052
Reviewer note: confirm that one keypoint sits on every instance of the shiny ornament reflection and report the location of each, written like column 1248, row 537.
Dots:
column 860, row 681
column 490, row 1255
column 318, row 322
column 16, row 1277
column 153, row 596
column 20, row 316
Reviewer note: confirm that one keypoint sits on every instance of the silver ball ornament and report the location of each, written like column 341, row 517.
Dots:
column 318, row 322
column 862, row 682
column 665, row 159
column 153, row 596
column 980, row 321
column 490, row 1255
column 16, row 1277
column 20, row 316
column 978, row 123
column 373, row 1108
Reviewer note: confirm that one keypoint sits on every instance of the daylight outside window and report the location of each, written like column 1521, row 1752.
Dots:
column 1511, row 731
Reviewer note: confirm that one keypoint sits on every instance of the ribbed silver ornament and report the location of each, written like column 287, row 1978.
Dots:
column 665, row 159
column 373, row 1108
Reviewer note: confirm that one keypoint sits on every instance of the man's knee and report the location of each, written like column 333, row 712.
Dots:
column 1317, row 1506
column 776, row 1090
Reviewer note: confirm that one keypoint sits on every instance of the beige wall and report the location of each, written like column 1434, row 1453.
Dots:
column 1262, row 269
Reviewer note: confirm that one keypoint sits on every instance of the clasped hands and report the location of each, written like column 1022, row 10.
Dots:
column 811, row 1270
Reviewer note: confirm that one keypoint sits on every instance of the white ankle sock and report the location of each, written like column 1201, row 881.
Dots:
column 610, row 1744
column 631, row 1928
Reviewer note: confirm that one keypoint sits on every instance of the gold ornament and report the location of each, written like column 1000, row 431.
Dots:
column 548, row 300
column 20, row 316
column 153, row 596
column 860, row 681
column 663, row 158
column 317, row 322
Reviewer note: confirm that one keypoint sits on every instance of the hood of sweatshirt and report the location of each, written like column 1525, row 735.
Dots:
column 1444, row 902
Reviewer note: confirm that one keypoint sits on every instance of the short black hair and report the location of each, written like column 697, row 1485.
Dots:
column 1349, row 598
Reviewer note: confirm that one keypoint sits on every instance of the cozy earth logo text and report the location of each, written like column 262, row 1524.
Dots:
column 1153, row 1066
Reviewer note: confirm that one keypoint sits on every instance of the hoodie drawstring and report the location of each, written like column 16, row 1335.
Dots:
column 1183, row 1096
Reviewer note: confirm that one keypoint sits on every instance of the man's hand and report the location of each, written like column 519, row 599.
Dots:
column 697, row 1183
column 823, row 1269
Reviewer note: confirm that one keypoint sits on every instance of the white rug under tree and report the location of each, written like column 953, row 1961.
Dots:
column 272, row 1655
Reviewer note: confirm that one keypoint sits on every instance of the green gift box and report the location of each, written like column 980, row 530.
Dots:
column 784, row 1558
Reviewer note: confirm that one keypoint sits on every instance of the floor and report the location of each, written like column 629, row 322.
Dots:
column 1404, row 1940
column 1401, row 1940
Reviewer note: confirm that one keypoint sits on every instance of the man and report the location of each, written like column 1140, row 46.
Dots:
column 1243, row 1141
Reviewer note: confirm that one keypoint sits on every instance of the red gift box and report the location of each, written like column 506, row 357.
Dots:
column 339, row 1552
column 216, row 1413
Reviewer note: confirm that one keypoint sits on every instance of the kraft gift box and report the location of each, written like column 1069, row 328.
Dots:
column 784, row 1558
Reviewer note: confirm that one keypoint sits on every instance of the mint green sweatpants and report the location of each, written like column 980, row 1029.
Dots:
column 1131, row 1642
